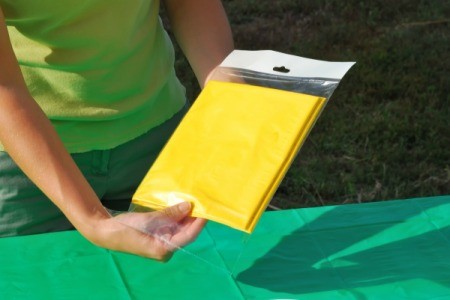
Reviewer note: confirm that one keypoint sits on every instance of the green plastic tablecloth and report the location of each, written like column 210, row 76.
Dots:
column 385, row 250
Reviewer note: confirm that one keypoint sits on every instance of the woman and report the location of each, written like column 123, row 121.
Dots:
column 88, row 97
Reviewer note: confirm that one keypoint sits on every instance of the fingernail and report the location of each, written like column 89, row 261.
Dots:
column 184, row 206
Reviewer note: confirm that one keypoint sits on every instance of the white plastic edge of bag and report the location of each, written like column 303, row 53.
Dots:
column 265, row 60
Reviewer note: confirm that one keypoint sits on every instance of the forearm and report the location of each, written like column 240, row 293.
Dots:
column 202, row 31
column 31, row 141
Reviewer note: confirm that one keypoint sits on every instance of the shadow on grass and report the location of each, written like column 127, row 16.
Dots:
column 318, row 257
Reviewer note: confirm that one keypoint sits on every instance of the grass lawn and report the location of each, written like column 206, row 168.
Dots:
column 385, row 132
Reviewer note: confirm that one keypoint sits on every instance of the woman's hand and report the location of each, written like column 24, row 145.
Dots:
column 154, row 235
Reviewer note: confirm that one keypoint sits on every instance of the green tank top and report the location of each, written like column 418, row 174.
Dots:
column 102, row 70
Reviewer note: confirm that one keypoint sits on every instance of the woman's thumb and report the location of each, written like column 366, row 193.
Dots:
column 179, row 211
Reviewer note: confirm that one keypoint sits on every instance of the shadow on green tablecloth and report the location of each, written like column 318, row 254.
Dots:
column 347, row 249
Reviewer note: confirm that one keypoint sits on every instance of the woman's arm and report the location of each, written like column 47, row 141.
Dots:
column 202, row 30
column 31, row 141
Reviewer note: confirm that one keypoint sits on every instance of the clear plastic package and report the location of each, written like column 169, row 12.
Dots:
column 236, row 143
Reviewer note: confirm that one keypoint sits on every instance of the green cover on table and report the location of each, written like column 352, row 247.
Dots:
column 384, row 250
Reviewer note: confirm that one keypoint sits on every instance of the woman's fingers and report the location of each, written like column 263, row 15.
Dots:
column 154, row 234
column 188, row 231
column 178, row 212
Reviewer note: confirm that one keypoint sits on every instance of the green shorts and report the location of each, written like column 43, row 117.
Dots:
column 114, row 174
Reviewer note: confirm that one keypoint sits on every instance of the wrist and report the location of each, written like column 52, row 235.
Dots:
column 91, row 224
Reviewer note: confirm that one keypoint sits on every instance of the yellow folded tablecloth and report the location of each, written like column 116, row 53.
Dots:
column 230, row 152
